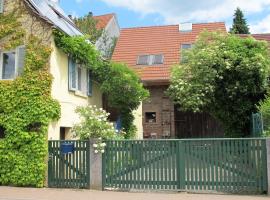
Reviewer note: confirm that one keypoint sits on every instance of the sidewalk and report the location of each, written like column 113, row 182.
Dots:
column 13, row 193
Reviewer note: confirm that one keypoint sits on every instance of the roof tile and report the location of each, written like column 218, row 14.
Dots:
column 103, row 20
column 164, row 40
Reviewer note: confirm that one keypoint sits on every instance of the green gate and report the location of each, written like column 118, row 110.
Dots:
column 69, row 170
column 223, row 165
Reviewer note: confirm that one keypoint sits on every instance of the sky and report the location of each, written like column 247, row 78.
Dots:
column 133, row 13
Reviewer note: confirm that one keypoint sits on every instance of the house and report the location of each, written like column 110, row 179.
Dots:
column 151, row 52
column 72, row 84
column 111, row 31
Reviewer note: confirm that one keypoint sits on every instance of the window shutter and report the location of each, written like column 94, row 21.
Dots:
column 1, row 6
column 72, row 82
column 21, row 59
column 90, row 83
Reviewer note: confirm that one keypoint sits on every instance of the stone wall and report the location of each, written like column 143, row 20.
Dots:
column 164, row 109
column 31, row 22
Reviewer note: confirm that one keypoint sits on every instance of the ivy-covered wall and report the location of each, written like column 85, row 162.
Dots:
column 26, row 106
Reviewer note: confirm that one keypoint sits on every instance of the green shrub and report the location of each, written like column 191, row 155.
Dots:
column 224, row 75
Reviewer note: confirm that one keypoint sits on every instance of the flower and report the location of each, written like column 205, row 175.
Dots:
column 96, row 151
column 103, row 144
column 95, row 145
column 102, row 151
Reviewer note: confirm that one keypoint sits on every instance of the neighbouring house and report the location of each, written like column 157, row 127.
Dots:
column 111, row 31
column 72, row 83
column 151, row 52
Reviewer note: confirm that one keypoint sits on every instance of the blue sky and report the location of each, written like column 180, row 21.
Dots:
column 133, row 13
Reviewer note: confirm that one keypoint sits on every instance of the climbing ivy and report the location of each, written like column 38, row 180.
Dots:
column 122, row 85
column 26, row 108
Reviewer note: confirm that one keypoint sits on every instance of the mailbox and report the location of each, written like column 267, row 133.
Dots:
column 67, row 148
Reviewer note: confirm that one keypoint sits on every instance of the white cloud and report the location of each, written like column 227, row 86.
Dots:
column 176, row 11
column 262, row 26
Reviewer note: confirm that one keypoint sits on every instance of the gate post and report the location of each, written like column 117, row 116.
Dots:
column 268, row 163
column 95, row 167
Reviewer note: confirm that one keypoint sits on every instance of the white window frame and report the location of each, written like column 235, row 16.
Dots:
column 83, row 91
column 16, row 62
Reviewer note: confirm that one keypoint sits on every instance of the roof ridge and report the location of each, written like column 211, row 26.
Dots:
column 152, row 26
column 259, row 34
column 104, row 15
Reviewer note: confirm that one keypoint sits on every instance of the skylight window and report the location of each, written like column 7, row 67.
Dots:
column 157, row 59
column 143, row 60
column 150, row 59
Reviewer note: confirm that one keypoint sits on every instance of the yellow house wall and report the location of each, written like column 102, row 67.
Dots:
column 68, row 100
column 138, row 122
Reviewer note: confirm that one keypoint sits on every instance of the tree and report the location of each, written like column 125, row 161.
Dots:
column 224, row 75
column 87, row 25
column 239, row 23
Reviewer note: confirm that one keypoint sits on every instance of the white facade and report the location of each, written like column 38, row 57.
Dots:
column 69, row 100
column 111, row 31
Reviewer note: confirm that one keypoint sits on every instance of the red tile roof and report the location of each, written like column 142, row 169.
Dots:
column 164, row 40
column 103, row 20
column 263, row 36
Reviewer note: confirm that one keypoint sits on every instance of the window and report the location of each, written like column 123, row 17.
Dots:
column 8, row 65
column 65, row 133
column 62, row 133
column 157, row 59
column 80, row 79
column 183, row 48
column 143, row 60
column 1, row 6
column 150, row 59
column 150, row 117
column 185, row 27
column 12, row 63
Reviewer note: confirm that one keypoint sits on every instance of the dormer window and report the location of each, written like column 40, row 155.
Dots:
column 185, row 27
column 150, row 59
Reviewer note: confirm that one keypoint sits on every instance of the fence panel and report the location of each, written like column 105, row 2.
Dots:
column 69, row 170
column 223, row 165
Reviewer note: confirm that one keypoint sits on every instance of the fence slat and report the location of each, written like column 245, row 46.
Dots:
column 224, row 165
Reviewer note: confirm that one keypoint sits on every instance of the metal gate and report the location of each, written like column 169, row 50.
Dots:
column 223, row 165
column 68, row 167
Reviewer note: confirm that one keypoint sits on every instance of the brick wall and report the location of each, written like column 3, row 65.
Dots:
column 164, row 109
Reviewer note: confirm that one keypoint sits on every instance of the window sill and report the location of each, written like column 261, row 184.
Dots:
column 80, row 94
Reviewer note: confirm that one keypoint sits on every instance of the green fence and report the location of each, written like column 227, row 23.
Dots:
column 223, row 165
column 69, row 170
